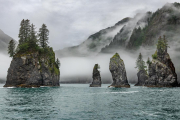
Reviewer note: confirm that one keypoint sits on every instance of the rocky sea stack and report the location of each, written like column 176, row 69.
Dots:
column 142, row 71
column 118, row 71
column 142, row 77
column 32, row 70
column 161, row 69
column 96, row 77
column 33, row 63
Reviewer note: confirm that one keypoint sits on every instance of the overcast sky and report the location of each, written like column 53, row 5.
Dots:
column 70, row 21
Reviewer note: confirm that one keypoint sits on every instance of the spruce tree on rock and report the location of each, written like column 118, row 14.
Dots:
column 140, row 64
column 11, row 48
column 58, row 63
column 33, row 37
column 22, row 32
column 27, row 28
column 162, row 45
column 43, row 36
column 148, row 61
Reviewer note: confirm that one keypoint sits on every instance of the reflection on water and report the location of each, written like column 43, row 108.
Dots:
column 78, row 101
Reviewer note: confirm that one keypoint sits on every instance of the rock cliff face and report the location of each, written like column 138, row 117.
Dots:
column 118, row 71
column 31, row 70
column 96, row 77
column 142, row 77
column 162, row 71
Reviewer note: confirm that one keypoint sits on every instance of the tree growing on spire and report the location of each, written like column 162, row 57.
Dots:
column 11, row 48
column 140, row 64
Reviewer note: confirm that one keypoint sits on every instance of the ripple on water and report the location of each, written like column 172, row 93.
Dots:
column 78, row 101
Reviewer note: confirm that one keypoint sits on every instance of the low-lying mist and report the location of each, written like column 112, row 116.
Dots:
column 4, row 65
column 81, row 68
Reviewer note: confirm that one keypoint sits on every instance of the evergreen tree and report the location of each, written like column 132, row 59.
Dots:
column 43, row 36
column 27, row 28
column 33, row 37
column 58, row 63
column 148, row 61
column 140, row 64
column 162, row 45
column 11, row 48
column 22, row 32
column 165, row 41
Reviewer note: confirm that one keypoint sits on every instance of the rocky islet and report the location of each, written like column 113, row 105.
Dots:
column 96, row 77
column 118, row 71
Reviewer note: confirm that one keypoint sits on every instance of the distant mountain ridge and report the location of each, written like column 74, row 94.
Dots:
column 131, row 33
column 4, row 41
column 95, row 42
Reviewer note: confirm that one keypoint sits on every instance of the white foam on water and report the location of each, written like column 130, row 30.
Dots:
column 44, row 86
column 161, row 90
column 123, row 92
column 147, row 113
column 111, row 87
column 10, row 87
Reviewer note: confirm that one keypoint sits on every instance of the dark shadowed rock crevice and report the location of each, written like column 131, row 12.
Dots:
column 96, row 77
column 118, row 71
column 142, row 77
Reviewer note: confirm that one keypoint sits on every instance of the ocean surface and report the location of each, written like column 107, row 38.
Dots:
column 80, row 102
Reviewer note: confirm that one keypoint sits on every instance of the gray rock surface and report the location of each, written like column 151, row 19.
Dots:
column 30, row 71
column 118, row 71
column 142, row 77
column 162, row 71
column 96, row 77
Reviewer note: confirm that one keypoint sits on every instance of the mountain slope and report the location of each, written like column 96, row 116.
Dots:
column 95, row 42
column 138, row 34
column 4, row 41
column 122, row 38
column 165, row 21
column 131, row 33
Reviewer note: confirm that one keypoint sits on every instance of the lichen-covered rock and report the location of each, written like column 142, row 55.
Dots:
column 162, row 71
column 96, row 77
column 31, row 70
column 118, row 71
column 142, row 77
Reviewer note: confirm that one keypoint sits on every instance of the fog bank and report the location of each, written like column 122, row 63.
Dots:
column 4, row 65
column 81, row 68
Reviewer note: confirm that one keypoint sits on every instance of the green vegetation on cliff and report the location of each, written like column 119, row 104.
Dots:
column 32, row 42
column 96, row 67
column 116, row 59
column 164, row 21
column 148, row 61
column 11, row 48
column 161, row 47
column 116, row 55
column 154, row 56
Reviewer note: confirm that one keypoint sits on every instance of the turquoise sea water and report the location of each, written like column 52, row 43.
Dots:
column 79, row 102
